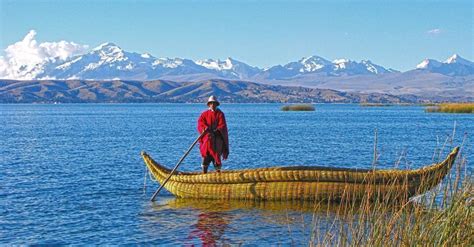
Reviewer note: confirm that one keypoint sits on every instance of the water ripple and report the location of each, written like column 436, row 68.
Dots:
column 72, row 174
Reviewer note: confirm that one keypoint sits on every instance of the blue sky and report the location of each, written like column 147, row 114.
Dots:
column 396, row 34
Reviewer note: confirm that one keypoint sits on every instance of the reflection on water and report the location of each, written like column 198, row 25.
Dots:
column 213, row 222
column 210, row 227
column 232, row 205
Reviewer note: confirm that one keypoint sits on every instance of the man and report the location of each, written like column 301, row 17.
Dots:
column 215, row 143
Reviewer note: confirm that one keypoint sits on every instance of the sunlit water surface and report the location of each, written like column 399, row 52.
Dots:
column 72, row 174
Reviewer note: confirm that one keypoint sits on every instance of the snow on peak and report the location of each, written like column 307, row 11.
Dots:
column 313, row 63
column 370, row 66
column 106, row 45
column 229, row 61
column 307, row 64
column 229, row 68
column 170, row 63
column 456, row 59
column 374, row 68
column 453, row 58
column 145, row 55
column 453, row 66
column 312, row 59
column 216, row 64
column 428, row 63
column 341, row 63
column 109, row 52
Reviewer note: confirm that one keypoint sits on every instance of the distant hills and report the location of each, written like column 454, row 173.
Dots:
column 451, row 80
column 121, row 91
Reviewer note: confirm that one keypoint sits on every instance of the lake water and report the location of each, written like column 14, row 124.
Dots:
column 72, row 173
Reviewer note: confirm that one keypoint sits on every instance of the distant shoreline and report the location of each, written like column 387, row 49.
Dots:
column 161, row 91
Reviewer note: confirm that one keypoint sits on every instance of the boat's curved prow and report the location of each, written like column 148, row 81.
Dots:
column 432, row 175
column 300, row 183
column 158, row 171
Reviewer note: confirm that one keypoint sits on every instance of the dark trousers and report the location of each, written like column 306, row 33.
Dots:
column 207, row 160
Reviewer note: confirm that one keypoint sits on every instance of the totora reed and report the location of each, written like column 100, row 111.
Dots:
column 452, row 108
column 444, row 216
column 302, row 183
column 298, row 107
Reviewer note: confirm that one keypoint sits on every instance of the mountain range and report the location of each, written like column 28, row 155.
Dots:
column 453, row 78
column 109, row 61
column 454, row 66
column 122, row 91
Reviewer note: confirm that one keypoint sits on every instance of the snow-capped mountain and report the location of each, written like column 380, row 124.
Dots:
column 316, row 64
column 312, row 64
column 109, row 61
column 428, row 64
column 364, row 67
column 456, row 59
column 453, row 66
column 308, row 64
column 230, row 68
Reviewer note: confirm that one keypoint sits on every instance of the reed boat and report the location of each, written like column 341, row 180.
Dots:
column 305, row 183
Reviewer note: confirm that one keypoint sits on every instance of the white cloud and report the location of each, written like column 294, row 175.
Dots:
column 25, row 59
column 435, row 31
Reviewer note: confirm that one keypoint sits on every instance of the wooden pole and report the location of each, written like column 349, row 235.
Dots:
column 179, row 163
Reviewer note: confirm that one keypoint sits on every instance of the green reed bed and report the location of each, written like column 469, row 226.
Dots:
column 299, row 107
column 441, row 217
column 452, row 108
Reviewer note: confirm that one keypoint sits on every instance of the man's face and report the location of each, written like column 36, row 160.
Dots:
column 213, row 105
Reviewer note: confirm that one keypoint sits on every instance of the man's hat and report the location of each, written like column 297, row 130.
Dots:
column 213, row 99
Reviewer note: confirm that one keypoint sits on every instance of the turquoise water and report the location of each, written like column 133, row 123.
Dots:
column 72, row 173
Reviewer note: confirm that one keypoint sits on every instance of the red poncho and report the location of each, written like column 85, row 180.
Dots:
column 215, row 143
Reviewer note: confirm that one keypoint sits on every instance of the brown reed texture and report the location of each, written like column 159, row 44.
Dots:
column 300, row 107
column 302, row 183
column 452, row 108
column 442, row 217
